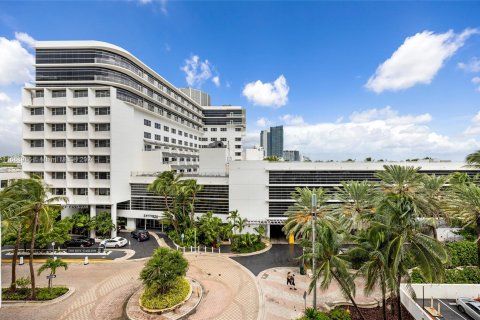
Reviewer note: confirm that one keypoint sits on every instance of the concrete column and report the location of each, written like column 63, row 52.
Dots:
column 131, row 224
column 93, row 213
column 113, row 214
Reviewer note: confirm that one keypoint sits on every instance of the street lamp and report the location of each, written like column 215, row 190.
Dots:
column 314, row 227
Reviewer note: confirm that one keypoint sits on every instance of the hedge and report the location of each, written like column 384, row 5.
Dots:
column 151, row 299
column 466, row 275
column 462, row 253
column 43, row 294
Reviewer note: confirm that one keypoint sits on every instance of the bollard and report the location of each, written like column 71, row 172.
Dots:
column 212, row 249
column 21, row 261
column 205, row 249
column 54, row 258
column 177, row 246
column 191, row 250
column 218, row 250
column 86, row 261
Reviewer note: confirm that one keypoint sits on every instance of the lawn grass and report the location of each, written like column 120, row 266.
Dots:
column 42, row 294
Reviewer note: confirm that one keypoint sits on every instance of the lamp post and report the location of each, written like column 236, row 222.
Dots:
column 314, row 227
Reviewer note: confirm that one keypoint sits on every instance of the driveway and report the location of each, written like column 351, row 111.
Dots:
column 142, row 249
column 280, row 255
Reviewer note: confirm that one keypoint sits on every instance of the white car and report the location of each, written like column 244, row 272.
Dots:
column 470, row 307
column 116, row 242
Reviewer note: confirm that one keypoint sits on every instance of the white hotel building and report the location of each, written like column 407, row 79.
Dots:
column 99, row 125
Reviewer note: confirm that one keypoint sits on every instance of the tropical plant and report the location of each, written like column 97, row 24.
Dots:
column 166, row 185
column 241, row 224
column 163, row 269
column 232, row 217
column 102, row 223
column 272, row 158
column 58, row 233
column 210, row 228
column 52, row 265
column 81, row 223
column 34, row 201
column 260, row 230
column 473, row 159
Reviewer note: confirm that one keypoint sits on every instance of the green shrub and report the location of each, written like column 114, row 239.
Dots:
column 416, row 276
column 43, row 294
column 340, row 314
column 462, row 253
column 151, row 299
column 247, row 242
column 469, row 275
column 312, row 314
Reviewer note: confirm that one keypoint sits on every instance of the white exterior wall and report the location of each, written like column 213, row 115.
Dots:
column 8, row 175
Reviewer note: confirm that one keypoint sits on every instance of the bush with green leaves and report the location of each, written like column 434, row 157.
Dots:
column 247, row 242
column 163, row 269
column 340, row 314
column 312, row 314
column 23, row 282
column 465, row 275
column 462, row 253
column 43, row 294
column 152, row 300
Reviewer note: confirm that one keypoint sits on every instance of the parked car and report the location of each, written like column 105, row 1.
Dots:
column 78, row 242
column 116, row 242
column 470, row 307
column 140, row 235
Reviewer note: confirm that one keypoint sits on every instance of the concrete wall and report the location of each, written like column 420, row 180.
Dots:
column 447, row 291
column 415, row 310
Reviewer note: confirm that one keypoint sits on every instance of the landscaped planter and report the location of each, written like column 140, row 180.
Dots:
column 160, row 311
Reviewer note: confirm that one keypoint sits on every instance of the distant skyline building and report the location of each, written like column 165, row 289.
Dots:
column 272, row 141
column 291, row 155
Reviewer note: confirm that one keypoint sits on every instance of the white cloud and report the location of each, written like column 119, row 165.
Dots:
column 476, row 81
column 25, row 38
column 474, row 128
column 163, row 4
column 292, row 120
column 216, row 81
column 267, row 94
column 417, row 60
column 16, row 63
column 197, row 72
column 263, row 122
column 382, row 133
column 10, row 125
column 472, row 66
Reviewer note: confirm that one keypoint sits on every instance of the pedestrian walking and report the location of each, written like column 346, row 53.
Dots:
column 292, row 281
column 289, row 280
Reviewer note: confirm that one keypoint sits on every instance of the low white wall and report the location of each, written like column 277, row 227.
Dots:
column 415, row 310
column 447, row 291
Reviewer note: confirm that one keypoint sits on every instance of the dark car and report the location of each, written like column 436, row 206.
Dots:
column 140, row 235
column 78, row 243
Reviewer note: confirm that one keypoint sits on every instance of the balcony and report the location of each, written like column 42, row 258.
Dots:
column 55, row 134
column 71, row 166
column 50, row 166
column 56, row 151
column 76, row 183
column 28, row 166
column 98, row 166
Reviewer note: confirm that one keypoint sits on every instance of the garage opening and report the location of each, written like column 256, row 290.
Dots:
column 277, row 235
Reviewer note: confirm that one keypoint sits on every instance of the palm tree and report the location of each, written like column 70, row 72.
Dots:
column 52, row 265
column 166, row 185
column 473, row 159
column 260, row 230
column 433, row 188
column 464, row 203
column 332, row 265
column 356, row 203
column 35, row 202
column 241, row 224
column 233, row 216
column 191, row 188
column 300, row 213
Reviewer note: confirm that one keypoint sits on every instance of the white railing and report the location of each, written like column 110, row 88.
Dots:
column 198, row 249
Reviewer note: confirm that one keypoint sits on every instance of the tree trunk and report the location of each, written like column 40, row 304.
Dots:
column 13, row 285
column 399, row 302
column 478, row 239
column 384, row 300
column 30, row 262
column 434, row 230
column 349, row 295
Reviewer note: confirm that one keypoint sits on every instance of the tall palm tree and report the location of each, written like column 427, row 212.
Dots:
column 35, row 201
column 241, row 224
column 332, row 264
column 190, row 188
column 300, row 213
column 232, row 217
column 433, row 188
column 166, row 185
column 464, row 203
column 473, row 159
column 52, row 265
column 356, row 203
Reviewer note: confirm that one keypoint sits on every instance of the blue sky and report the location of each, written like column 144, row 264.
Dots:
column 305, row 65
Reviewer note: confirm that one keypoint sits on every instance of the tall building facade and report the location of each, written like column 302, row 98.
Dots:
column 291, row 155
column 97, row 116
column 264, row 135
column 275, row 142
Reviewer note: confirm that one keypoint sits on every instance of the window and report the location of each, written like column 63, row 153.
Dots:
column 205, row 129
column 59, row 93
column 80, row 93
column 57, row 127
column 80, row 127
column 238, row 146
column 147, row 147
column 36, row 111
column 174, row 140
column 80, row 111
column 213, row 139
column 59, row 191
column 185, row 143
column 80, row 143
column 36, row 127
column 102, row 126
column 59, row 111
column 147, row 135
column 58, row 159
column 102, row 159
column 102, row 175
column 238, row 129
column 102, row 111
column 238, row 154
column 38, row 93
column 79, row 159
column 80, row 175
column 165, row 139
column 36, row 143
column 213, row 129
column 158, row 137
column 3, row 183
column 102, row 143
column 146, row 122
column 191, row 135
column 58, row 143
column 102, row 93
column 223, row 129
column 157, row 126
column 223, row 139
column 165, row 128
column 59, row 175
column 102, row 191
column 194, row 137
column 80, row 191
column 174, row 130
column 238, row 139
column 180, row 132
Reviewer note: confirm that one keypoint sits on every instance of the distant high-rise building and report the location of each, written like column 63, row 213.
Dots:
column 291, row 155
column 275, row 141
column 264, row 141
